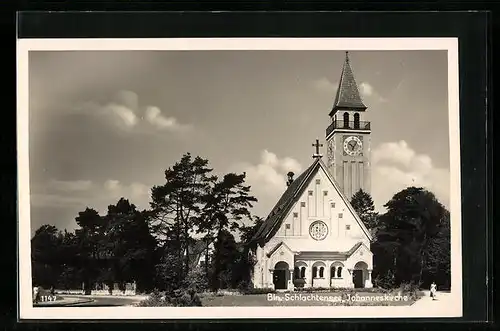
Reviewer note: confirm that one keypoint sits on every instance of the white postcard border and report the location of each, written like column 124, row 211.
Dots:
column 27, row 311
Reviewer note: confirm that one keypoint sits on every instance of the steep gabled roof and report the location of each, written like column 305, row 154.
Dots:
column 275, row 248
column 273, row 222
column 354, row 249
column 280, row 210
column 347, row 96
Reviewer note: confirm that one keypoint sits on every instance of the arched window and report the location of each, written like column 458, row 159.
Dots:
column 315, row 272
column 346, row 120
column 296, row 272
column 303, row 272
column 332, row 272
column 356, row 121
column 339, row 272
column 321, row 272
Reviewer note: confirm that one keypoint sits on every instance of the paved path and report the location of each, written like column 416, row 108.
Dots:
column 94, row 301
column 426, row 300
column 107, row 300
column 64, row 301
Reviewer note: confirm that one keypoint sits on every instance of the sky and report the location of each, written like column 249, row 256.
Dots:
column 106, row 124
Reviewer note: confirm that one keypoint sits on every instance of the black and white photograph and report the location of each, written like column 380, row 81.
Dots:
column 239, row 178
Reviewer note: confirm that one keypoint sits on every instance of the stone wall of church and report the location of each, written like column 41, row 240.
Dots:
column 320, row 202
column 335, row 274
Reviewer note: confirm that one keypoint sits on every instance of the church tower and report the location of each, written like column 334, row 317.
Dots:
column 348, row 137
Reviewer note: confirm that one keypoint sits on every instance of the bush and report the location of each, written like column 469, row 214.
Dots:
column 197, row 279
column 386, row 281
column 244, row 286
column 186, row 298
column 412, row 289
column 259, row 291
column 314, row 289
column 156, row 299
column 299, row 282
column 179, row 298
column 341, row 289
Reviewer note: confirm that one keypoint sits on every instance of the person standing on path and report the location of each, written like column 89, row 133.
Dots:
column 433, row 290
column 36, row 294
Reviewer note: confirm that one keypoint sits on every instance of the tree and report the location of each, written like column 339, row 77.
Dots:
column 247, row 232
column 169, row 275
column 362, row 203
column 227, row 204
column 177, row 204
column 405, row 234
column 438, row 258
column 89, row 237
column 71, row 272
column 129, row 245
column 44, row 255
column 90, row 221
column 226, row 254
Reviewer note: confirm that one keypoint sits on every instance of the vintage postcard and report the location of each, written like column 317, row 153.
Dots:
column 239, row 178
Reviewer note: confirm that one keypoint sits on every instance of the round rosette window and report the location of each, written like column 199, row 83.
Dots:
column 318, row 230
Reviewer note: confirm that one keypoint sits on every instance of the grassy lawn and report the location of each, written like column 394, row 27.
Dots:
column 306, row 299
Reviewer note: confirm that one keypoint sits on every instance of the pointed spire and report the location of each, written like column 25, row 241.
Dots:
column 347, row 93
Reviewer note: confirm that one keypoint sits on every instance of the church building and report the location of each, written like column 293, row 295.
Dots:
column 313, row 237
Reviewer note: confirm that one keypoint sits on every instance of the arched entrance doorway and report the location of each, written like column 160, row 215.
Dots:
column 359, row 274
column 281, row 273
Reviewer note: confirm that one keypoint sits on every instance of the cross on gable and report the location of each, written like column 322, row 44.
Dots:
column 317, row 145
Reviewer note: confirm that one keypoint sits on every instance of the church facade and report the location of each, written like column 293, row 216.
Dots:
column 313, row 237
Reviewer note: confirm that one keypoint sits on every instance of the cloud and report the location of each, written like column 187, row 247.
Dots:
column 66, row 199
column 69, row 186
column 368, row 91
column 290, row 164
column 325, row 85
column 138, row 189
column 396, row 166
column 124, row 112
column 154, row 116
column 268, row 178
column 117, row 189
column 125, row 115
column 112, row 185
column 78, row 194
column 127, row 98
column 56, row 201
column 365, row 89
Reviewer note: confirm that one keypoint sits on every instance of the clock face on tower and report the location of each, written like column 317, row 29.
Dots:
column 353, row 145
column 318, row 230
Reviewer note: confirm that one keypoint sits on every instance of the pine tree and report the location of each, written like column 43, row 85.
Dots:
column 177, row 204
column 247, row 232
column 362, row 203
column 227, row 205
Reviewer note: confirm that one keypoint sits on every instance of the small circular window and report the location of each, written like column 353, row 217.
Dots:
column 318, row 230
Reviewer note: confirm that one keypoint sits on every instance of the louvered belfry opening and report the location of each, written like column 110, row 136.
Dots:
column 356, row 121
column 346, row 120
